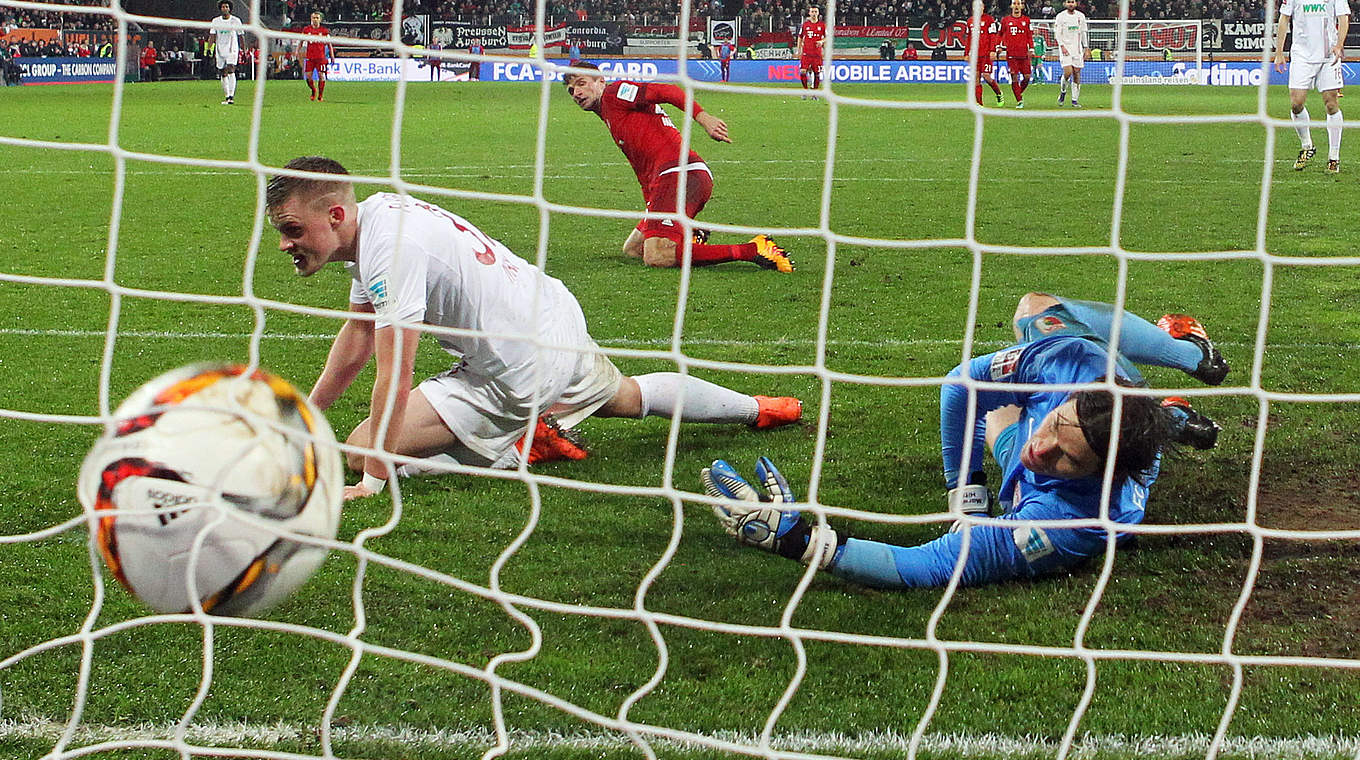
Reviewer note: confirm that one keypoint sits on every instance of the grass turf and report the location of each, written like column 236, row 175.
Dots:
column 1047, row 180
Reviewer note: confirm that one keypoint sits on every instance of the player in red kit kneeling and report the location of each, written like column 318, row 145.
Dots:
column 1017, row 38
column 649, row 140
column 317, row 58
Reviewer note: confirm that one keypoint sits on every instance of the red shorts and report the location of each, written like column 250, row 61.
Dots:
column 663, row 195
column 1018, row 65
column 984, row 68
column 315, row 64
column 809, row 64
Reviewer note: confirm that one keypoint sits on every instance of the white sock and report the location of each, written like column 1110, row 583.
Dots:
column 1063, row 85
column 1076, row 91
column 231, row 85
column 703, row 401
column 226, row 91
column 1334, row 136
column 1301, row 126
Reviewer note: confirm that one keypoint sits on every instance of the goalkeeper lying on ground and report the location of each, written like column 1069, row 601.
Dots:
column 1051, row 447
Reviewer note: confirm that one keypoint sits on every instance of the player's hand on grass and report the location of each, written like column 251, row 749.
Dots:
column 356, row 491
column 715, row 127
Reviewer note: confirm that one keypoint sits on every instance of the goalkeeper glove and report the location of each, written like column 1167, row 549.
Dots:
column 781, row 531
column 971, row 500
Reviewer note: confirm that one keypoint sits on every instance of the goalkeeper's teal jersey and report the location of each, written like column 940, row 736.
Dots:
column 1059, row 359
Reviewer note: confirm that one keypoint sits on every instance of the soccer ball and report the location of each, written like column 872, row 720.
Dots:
column 202, row 470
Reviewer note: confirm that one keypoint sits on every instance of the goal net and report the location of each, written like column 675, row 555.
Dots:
column 596, row 609
column 1142, row 52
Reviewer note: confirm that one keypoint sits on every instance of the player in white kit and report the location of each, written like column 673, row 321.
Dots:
column 226, row 30
column 520, row 334
column 1069, row 31
column 1315, row 58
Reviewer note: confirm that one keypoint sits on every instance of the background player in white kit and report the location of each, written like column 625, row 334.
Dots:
column 1315, row 58
column 227, row 30
column 1069, row 31
column 414, row 262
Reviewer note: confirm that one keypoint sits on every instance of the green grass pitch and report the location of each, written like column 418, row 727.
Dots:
column 1048, row 179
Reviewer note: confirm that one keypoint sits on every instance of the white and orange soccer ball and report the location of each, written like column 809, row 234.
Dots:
column 199, row 481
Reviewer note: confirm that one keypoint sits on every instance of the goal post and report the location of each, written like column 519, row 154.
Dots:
column 1152, row 52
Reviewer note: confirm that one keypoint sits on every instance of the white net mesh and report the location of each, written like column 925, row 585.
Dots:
column 523, row 710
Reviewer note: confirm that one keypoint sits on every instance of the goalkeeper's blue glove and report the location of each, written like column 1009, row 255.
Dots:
column 782, row 531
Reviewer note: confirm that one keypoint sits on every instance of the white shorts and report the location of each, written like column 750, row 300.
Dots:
column 575, row 385
column 222, row 61
column 1075, row 61
column 1325, row 75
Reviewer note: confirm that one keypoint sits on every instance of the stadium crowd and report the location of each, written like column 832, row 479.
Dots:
column 33, row 19
column 770, row 15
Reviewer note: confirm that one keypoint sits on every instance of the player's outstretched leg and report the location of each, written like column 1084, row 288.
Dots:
column 1190, row 427
column 659, row 394
column 1212, row 368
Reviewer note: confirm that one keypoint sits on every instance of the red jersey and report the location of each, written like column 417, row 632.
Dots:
column 316, row 50
column 1016, row 36
column 646, row 135
column 812, row 35
column 987, row 40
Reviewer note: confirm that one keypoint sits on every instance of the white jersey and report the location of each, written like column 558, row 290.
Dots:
column 420, row 263
column 1069, row 31
column 1313, row 24
column 228, row 36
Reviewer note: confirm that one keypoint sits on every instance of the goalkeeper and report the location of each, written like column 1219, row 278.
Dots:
column 1052, row 448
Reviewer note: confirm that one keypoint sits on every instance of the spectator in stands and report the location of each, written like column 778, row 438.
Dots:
column 909, row 53
column 148, row 62
column 939, row 54
column 887, row 51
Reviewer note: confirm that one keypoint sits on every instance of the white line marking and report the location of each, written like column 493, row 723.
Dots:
column 967, row 745
column 617, row 341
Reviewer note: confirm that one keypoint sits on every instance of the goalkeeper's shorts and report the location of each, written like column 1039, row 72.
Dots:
column 1058, row 320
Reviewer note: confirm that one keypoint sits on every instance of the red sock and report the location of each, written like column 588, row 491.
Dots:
column 703, row 254
column 320, row 88
column 977, row 91
column 995, row 88
column 1018, row 90
column 311, row 86
column 816, row 80
column 802, row 77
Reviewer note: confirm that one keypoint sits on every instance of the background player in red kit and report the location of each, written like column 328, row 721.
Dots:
column 317, row 58
column 1017, row 39
column 984, row 33
column 811, row 42
column 649, row 140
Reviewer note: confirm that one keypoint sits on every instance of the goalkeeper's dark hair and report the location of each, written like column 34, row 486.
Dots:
column 284, row 186
column 1144, row 431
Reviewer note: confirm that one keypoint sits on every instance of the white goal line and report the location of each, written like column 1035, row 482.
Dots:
column 213, row 733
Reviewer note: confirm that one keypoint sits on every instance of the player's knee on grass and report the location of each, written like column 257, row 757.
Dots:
column 1031, row 304
column 627, row 401
column 658, row 252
